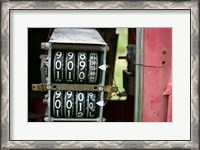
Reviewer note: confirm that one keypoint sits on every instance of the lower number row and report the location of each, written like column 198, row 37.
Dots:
column 70, row 104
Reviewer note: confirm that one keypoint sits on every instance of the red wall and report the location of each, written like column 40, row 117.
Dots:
column 157, row 49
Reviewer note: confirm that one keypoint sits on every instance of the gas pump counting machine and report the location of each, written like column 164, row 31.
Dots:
column 73, row 71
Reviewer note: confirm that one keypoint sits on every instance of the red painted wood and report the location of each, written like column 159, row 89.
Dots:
column 157, row 50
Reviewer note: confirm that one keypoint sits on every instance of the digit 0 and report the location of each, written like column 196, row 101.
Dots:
column 58, row 64
column 57, row 104
column 69, row 104
column 80, row 97
column 70, row 65
column 81, row 75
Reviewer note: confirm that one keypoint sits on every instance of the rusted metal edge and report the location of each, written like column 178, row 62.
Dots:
column 39, row 87
column 73, row 87
column 74, row 47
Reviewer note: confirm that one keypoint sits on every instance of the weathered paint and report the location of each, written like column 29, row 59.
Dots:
column 157, row 50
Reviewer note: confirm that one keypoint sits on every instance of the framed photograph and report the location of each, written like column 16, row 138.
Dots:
column 58, row 67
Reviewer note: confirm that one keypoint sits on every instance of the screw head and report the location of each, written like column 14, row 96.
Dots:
column 100, row 88
column 46, row 119
column 48, row 87
column 45, row 101
column 42, row 45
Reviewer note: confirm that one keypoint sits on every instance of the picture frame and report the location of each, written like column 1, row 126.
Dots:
column 6, row 143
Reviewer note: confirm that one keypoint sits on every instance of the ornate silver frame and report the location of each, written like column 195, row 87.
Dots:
column 6, row 143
